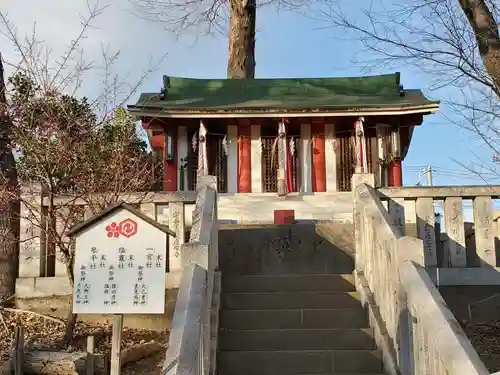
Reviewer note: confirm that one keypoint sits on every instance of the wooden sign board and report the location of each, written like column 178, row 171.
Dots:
column 120, row 263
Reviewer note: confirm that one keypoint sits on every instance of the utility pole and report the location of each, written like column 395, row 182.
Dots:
column 429, row 175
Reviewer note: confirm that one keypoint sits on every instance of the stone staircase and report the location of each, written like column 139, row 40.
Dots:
column 300, row 316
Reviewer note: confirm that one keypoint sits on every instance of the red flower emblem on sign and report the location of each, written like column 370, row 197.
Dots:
column 128, row 227
column 113, row 230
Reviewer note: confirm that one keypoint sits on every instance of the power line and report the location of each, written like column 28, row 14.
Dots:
column 445, row 172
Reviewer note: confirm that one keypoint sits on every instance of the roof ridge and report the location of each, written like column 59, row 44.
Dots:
column 396, row 75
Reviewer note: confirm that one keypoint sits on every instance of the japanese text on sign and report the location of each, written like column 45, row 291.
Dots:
column 122, row 274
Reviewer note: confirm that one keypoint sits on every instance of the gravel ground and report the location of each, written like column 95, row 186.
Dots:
column 44, row 333
column 147, row 366
column 486, row 340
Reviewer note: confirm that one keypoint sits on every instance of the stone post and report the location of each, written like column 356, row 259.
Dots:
column 177, row 224
column 357, row 180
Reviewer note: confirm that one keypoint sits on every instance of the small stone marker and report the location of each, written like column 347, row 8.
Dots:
column 120, row 265
column 284, row 217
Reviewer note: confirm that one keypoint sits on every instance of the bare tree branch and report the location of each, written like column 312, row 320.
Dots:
column 66, row 144
column 204, row 17
column 454, row 42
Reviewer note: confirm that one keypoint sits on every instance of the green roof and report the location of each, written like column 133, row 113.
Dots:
column 289, row 95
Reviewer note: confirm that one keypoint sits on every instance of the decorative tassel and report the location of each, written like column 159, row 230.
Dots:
column 282, row 185
column 292, row 146
column 361, row 162
column 194, row 141
column 274, row 150
column 202, row 151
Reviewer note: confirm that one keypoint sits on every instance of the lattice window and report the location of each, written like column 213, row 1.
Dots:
column 217, row 161
column 371, row 149
column 347, row 165
column 270, row 166
column 369, row 153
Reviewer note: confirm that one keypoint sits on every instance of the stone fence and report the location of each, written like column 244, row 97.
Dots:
column 41, row 258
column 414, row 328
column 457, row 250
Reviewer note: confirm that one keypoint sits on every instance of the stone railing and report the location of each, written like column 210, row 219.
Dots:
column 414, row 328
column 413, row 211
column 458, row 250
column 193, row 338
column 42, row 270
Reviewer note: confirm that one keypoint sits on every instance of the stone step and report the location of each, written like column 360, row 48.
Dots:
column 286, row 249
column 296, row 339
column 293, row 318
column 290, row 300
column 262, row 283
column 295, row 362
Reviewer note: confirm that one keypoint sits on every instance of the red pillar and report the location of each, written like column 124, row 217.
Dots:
column 244, row 159
column 170, row 170
column 158, row 141
column 397, row 173
column 318, row 157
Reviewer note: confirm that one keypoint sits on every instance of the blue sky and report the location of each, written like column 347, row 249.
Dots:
column 287, row 45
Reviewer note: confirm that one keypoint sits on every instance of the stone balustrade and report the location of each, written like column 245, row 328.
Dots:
column 413, row 211
column 193, row 338
column 459, row 228
column 414, row 328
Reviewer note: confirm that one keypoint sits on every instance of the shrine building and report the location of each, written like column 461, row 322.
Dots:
column 311, row 134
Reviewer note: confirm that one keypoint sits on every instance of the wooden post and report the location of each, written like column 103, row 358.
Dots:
column 90, row 355
column 116, row 340
column 18, row 350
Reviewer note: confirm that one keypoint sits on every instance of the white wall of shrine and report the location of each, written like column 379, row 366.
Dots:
column 304, row 147
column 331, row 158
column 232, row 162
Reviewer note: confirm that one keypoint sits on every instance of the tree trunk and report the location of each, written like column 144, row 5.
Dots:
column 241, row 61
column 485, row 28
column 9, row 204
column 70, row 326
column 72, row 318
